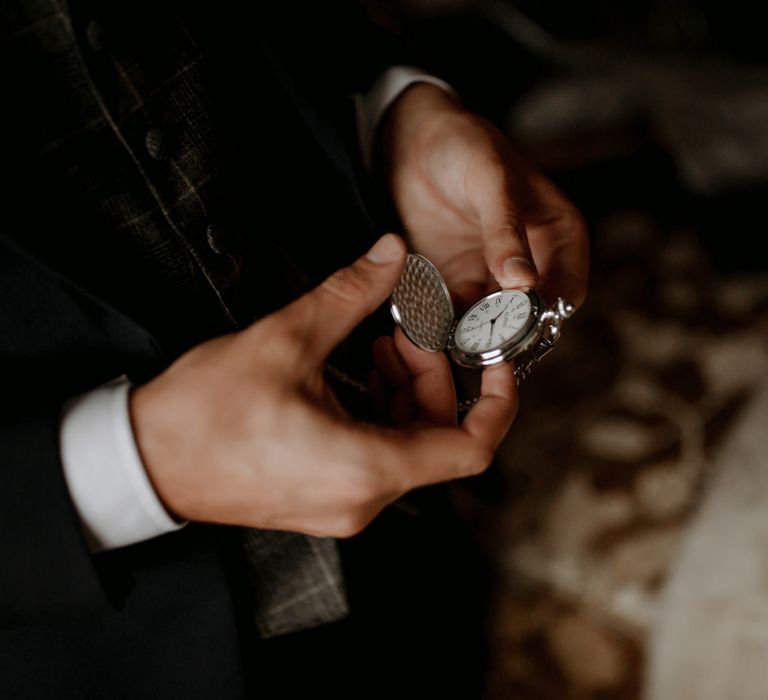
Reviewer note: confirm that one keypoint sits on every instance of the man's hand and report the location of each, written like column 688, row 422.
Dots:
column 243, row 429
column 471, row 205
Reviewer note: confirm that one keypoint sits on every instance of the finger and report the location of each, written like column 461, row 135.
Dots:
column 465, row 273
column 558, row 238
column 396, row 379
column 489, row 420
column 467, row 293
column 433, row 390
column 388, row 360
column 404, row 459
column 325, row 316
column 408, row 459
column 378, row 393
column 505, row 240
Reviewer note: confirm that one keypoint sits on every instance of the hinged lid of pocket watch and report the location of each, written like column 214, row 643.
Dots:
column 501, row 327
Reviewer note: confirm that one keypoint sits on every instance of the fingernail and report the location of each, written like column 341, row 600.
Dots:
column 387, row 249
column 517, row 271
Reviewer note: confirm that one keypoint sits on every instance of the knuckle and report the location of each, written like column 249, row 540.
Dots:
column 365, row 490
column 362, row 489
column 296, row 331
column 275, row 331
column 510, row 227
column 284, row 343
column 575, row 222
column 479, row 461
column 349, row 524
column 367, row 485
column 290, row 340
column 563, row 219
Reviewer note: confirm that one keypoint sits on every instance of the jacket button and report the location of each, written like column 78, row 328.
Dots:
column 94, row 33
column 155, row 143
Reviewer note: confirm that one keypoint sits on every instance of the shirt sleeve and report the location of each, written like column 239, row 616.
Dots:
column 108, row 483
column 372, row 104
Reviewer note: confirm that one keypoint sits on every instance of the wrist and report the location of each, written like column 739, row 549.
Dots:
column 415, row 113
column 108, row 483
column 148, row 445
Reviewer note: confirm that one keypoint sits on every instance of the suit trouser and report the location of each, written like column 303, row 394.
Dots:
column 418, row 590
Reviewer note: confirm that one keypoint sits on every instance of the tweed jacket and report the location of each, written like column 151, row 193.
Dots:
column 171, row 171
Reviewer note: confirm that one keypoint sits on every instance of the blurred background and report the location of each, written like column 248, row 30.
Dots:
column 627, row 515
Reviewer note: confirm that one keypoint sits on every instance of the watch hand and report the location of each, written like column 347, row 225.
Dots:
column 470, row 329
column 473, row 328
column 501, row 312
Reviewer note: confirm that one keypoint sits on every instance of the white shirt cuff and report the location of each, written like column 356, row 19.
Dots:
column 103, row 470
column 372, row 104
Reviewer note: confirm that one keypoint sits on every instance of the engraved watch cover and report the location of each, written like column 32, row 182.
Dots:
column 421, row 305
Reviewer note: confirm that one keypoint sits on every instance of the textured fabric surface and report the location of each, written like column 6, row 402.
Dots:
column 297, row 580
column 147, row 130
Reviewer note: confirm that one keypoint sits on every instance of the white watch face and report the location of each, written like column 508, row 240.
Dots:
column 493, row 321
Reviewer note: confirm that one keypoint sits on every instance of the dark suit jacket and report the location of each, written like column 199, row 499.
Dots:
column 170, row 171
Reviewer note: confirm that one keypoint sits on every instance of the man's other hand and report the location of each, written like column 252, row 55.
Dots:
column 473, row 206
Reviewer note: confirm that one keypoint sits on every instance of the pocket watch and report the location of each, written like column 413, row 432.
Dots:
column 505, row 326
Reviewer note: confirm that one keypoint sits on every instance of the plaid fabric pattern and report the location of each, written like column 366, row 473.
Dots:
column 139, row 144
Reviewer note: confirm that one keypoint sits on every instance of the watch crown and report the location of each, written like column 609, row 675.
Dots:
column 564, row 308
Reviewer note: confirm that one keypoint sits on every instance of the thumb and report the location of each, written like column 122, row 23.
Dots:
column 505, row 239
column 506, row 247
column 330, row 312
